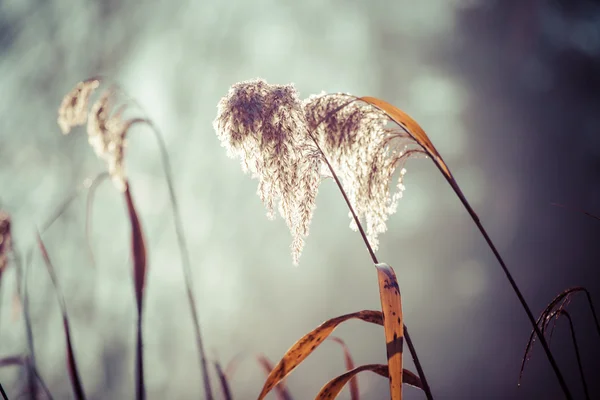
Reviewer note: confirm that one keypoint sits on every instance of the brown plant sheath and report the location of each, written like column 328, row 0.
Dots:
column 308, row 343
column 335, row 386
column 138, row 250
column 393, row 325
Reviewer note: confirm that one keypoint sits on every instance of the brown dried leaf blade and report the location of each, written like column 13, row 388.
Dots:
column 138, row 249
column 71, row 363
column 354, row 392
column 412, row 127
column 393, row 325
column 335, row 386
column 281, row 390
column 308, row 343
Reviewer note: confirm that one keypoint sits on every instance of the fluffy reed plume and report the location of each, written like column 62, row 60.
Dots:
column 74, row 107
column 106, row 128
column 264, row 126
column 5, row 240
column 364, row 153
column 283, row 143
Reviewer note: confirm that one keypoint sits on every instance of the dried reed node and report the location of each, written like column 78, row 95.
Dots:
column 282, row 142
column 5, row 240
column 106, row 128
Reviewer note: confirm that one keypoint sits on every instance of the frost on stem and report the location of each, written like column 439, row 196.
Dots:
column 5, row 240
column 274, row 134
column 106, row 129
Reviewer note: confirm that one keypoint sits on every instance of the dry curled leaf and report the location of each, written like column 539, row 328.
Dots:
column 393, row 325
column 308, row 343
column 354, row 392
column 335, row 386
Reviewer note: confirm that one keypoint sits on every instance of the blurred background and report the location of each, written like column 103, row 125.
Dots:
column 508, row 91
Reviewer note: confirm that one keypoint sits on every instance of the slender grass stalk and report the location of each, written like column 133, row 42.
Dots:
column 3, row 393
column 22, row 274
column 409, row 125
column 562, row 298
column 185, row 259
column 181, row 242
column 513, row 283
column 71, row 362
column 89, row 204
column 411, row 347
column 562, row 312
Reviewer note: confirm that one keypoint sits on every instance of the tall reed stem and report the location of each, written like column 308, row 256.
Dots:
column 185, row 259
column 515, row 287
column 409, row 342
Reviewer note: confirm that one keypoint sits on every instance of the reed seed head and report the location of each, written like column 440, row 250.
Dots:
column 264, row 126
column 284, row 142
column 364, row 152
column 73, row 110
column 106, row 127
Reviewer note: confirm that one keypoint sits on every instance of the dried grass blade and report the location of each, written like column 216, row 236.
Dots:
column 138, row 250
column 354, row 392
column 224, row 381
column 562, row 299
column 71, row 363
column 281, row 390
column 308, row 343
column 412, row 128
column 555, row 316
column 417, row 133
column 393, row 324
column 335, row 386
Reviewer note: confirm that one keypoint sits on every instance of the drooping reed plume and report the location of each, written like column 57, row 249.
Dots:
column 283, row 141
column 107, row 134
column 289, row 145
